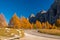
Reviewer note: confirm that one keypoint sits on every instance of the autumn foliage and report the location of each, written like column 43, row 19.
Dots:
column 38, row 24
column 23, row 23
column 15, row 22
column 58, row 23
column 45, row 25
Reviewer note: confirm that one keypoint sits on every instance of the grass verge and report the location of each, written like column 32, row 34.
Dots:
column 50, row 31
column 8, row 32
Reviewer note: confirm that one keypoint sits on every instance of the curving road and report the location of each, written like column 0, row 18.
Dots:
column 33, row 37
column 36, row 36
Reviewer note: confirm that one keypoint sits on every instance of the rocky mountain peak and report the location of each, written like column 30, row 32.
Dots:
column 43, row 11
column 32, row 15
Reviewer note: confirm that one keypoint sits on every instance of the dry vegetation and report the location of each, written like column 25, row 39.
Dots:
column 50, row 31
column 9, row 32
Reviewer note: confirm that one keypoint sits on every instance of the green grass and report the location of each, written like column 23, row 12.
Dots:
column 50, row 31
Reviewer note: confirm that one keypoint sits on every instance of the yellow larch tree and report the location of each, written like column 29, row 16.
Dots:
column 57, row 23
column 48, row 25
column 15, row 22
column 32, row 25
column 43, row 24
column 25, row 23
column 38, row 24
column 54, row 26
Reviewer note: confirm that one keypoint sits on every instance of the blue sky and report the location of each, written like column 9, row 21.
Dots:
column 23, row 7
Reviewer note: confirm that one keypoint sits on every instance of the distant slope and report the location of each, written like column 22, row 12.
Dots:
column 2, row 21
